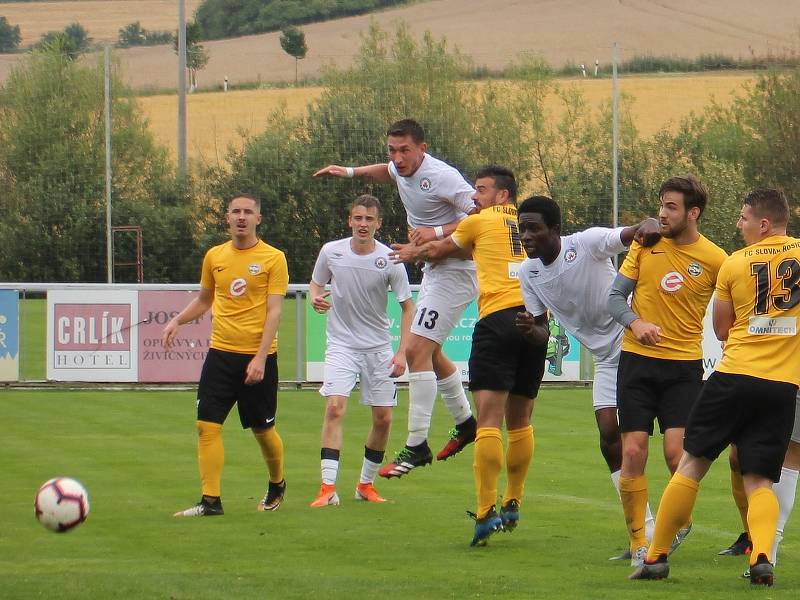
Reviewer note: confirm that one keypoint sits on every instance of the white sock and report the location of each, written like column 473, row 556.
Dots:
column 454, row 396
column 421, row 397
column 649, row 521
column 369, row 470
column 330, row 470
column 785, row 490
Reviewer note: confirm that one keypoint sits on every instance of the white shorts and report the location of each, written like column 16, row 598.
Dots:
column 443, row 296
column 604, row 388
column 343, row 368
column 796, row 430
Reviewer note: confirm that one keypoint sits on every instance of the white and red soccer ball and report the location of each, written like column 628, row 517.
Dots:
column 61, row 504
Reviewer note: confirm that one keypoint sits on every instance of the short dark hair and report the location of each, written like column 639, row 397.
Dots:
column 247, row 195
column 409, row 127
column 545, row 206
column 503, row 179
column 367, row 201
column 769, row 203
column 693, row 190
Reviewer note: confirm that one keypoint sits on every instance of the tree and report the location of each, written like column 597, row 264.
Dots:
column 71, row 42
column 196, row 55
column 9, row 36
column 293, row 42
column 52, row 178
column 133, row 34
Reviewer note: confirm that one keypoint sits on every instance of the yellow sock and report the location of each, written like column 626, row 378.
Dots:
column 272, row 449
column 210, row 456
column 487, row 465
column 762, row 519
column 633, row 493
column 739, row 496
column 519, row 455
column 674, row 511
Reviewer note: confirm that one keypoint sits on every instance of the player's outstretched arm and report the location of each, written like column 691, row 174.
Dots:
column 647, row 233
column 399, row 359
column 423, row 235
column 435, row 251
column 534, row 328
column 195, row 309
column 378, row 172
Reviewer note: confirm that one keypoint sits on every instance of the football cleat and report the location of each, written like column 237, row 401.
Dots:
column 274, row 497
column 624, row 556
column 761, row 573
column 638, row 557
column 742, row 545
column 460, row 437
column 406, row 460
column 679, row 537
column 509, row 515
column 327, row 496
column 204, row 508
column 652, row 570
column 485, row 527
column 368, row 493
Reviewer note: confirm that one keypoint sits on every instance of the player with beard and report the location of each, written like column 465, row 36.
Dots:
column 660, row 368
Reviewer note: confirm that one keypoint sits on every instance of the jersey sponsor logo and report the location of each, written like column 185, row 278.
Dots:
column 513, row 270
column 672, row 282
column 570, row 255
column 772, row 326
column 254, row 268
column 694, row 269
column 425, row 184
column 380, row 262
column 238, row 287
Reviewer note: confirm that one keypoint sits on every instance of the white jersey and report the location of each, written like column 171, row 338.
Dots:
column 575, row 286
column 359, row 293
column 436, row 194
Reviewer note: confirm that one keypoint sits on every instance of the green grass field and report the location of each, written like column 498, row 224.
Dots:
column 135, row 452
column 33, row 339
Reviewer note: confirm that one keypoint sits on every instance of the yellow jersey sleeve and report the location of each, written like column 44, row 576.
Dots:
column 630, row 266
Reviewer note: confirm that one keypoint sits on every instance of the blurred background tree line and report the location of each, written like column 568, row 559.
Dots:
column 52, row 177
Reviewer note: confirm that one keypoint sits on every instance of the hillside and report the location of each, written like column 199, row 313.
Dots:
column 493, row 33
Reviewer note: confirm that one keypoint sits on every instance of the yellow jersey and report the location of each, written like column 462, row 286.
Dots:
column 762, row 282
column 493, row 237
column 241, row 281
column 673, row 286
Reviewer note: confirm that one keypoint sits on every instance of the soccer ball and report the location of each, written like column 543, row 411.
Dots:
column 61, row 504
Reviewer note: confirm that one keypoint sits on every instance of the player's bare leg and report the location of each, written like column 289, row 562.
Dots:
column 331, row 444
column 374, row 451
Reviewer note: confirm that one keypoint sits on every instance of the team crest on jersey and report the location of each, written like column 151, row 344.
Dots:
column 254, row 268
column 694, row 269
column 424, row 184
column 380, row 262
column 570, row 255
column 672, row 282
column 238, row 287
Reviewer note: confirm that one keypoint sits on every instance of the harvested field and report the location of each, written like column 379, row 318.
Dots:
column 215, row 120
column 103, row 20
column 560, row 30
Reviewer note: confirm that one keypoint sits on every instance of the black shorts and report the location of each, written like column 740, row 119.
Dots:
column 502, row 359
column 755, row 414
column 222, row 386
column 656, row 388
